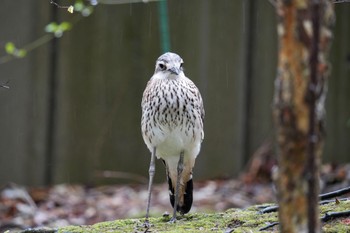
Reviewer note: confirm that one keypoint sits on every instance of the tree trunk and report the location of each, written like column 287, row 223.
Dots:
column 304, row 33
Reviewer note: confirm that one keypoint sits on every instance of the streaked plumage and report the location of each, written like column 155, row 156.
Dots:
column 172, row 124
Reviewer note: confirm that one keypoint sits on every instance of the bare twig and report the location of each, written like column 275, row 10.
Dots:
column 35, row 44
column 329, row 201
column 70, row 8
column 268, row 226
column 340, row 1
column 29, row 47
column 229, row 230
column 275, row 208
column 58, row 6
column 327, row 217
column 5, row 85
column 269, row 209
column 333, row 215
column 322, row 197
column 336, row 193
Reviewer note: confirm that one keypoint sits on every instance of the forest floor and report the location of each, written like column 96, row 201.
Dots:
column 65, row 204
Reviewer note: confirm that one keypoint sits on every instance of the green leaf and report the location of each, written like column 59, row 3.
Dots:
column 79, row 6
column 21, row 53
column 51, row 27
column 58, row 33
column 10, row 47
column 65, row 26
column 58, row 29
column 87, row 11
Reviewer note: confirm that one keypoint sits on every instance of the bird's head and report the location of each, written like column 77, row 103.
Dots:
column 169, row 64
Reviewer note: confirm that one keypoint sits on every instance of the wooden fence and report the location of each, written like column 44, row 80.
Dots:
column 73, row 107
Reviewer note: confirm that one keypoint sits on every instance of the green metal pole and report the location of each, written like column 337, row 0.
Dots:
column 164, row 25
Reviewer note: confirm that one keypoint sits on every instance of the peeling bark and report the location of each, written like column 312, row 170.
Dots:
column 304, row 31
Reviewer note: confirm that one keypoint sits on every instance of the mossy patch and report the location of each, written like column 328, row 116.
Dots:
column 233, row 220
column 336, row 225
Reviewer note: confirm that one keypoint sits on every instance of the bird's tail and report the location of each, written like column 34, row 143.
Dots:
column 185, row 198
column 185, row 192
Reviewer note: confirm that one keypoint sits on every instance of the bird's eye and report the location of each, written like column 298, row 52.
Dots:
column 162, row 66
column 181, row 65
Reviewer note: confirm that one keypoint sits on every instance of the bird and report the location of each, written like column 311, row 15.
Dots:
column 172, row 129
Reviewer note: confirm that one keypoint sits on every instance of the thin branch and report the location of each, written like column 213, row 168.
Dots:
column 6, row 58
column 327, row 217
column 29, row 47
column 322, row 197
column 5, row 85
column 268, row 226
column 334, row 200
column 229, row 230
column 340, row 1
column 38, row 42
column 333, row 215
column 336, row 193
column 35, row 44
column 58, row 6
column 269, row 209
column 46, row 38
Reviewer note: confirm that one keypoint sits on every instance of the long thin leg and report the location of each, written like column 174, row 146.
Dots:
column 152, row 171
column 180, row 167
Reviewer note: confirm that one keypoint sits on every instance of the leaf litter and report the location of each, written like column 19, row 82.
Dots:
column 66, row 204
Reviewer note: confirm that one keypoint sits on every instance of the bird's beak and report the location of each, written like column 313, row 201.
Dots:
column 174, row 70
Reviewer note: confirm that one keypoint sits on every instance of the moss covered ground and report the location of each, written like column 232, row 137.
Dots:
column 233, row 220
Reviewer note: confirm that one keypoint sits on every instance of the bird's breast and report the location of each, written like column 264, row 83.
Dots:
column 171, row 118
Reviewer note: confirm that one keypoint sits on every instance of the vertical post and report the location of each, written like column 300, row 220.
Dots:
column 164, row 25
column 249, row 19
column 304, row 33
column 51, row 108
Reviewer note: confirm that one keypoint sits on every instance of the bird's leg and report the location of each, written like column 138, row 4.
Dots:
column 180, row 167
column 152, row 170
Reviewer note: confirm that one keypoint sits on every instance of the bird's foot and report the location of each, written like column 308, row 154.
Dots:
column 146, row 224
column 172, row 220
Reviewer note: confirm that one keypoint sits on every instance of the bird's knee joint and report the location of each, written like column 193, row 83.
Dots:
column 152, row 170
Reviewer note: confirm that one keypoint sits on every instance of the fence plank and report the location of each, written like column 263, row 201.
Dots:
column 263, row 72
column 23, row 123
column 337, row 146
column 104, row 64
